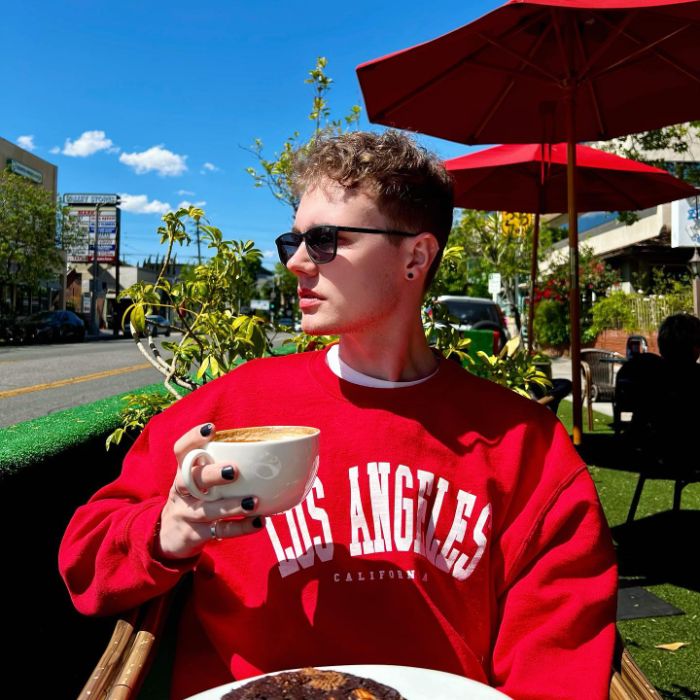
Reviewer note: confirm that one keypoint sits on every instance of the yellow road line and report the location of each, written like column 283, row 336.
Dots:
column 73, row 380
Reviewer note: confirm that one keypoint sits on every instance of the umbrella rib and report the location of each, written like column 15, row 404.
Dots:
column 589, row 83
column 504, row 93
column 649, row 48
column 436, row 79
column 519, row 57
column 612, row 38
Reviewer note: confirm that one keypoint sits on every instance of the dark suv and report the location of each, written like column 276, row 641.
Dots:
column 473, row 313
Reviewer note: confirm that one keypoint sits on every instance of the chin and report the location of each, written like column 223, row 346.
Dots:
column 311, row 325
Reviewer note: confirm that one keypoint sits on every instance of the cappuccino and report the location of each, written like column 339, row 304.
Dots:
column 263, row 434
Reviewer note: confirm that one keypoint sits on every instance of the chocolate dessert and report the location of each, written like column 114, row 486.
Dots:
column 313, row 684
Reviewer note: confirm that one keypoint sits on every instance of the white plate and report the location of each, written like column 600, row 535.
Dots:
column 412, row 683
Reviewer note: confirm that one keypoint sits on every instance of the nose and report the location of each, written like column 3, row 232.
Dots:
column 301, row 264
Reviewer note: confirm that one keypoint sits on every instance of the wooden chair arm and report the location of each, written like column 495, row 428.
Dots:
column 110, row 663
column 124, row 664
column 628, row 681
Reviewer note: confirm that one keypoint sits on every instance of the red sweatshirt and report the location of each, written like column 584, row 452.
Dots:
column 452, row 526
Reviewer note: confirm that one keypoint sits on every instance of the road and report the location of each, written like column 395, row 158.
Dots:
column 36, row 380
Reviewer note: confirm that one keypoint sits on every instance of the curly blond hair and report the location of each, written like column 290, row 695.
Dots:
column 410, row 185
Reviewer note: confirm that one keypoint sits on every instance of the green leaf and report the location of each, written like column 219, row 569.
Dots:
column 203, row 367
column 138, row 319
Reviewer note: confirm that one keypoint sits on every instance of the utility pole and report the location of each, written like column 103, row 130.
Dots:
column 115, row 316
column 95, row 326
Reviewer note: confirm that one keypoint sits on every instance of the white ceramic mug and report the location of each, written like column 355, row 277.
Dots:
column 277, row 464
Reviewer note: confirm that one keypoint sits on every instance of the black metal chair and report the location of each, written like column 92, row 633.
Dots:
column 602, row 364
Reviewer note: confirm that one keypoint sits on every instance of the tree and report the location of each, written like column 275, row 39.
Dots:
column 276, row 174
column 481, row 243
column 33, row 230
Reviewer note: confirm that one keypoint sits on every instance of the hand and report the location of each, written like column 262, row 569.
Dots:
column 186, row 523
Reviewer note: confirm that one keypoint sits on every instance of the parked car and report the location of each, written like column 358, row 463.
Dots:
column 156, row 324
column 50, row 327
column 473, row 313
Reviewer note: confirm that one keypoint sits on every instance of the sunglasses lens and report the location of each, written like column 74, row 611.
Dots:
column 321, row 243
column 287, row 245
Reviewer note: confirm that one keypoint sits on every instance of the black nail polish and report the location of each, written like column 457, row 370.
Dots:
column 228, row 473
column 257, row 522
column 205, row 430
column 248, row 503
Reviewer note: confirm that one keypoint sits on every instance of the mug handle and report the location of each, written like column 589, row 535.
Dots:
column 186, row 472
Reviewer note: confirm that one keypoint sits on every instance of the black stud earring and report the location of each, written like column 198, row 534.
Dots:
column 410, row 275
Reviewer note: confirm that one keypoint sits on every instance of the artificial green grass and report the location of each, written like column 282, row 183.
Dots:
column 32, row 441
column 659, row 552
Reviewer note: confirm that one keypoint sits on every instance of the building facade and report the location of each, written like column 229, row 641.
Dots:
column 17, row 299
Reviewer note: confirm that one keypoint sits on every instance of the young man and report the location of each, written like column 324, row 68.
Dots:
column 452, row 525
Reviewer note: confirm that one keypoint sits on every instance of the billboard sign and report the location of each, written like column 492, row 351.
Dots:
column 685, row 222
column 82, row 220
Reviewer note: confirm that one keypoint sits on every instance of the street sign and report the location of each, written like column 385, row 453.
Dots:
column 494, row 283
column 260, row 304
column 90, row 198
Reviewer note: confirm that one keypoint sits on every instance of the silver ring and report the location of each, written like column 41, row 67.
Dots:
column 213, row 531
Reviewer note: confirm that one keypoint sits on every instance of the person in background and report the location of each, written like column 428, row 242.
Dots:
column 452, row 525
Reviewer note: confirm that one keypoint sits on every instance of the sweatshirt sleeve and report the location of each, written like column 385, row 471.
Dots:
column 106, row 557
column 556, row 627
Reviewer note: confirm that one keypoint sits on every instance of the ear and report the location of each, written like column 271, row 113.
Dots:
column 421, row 251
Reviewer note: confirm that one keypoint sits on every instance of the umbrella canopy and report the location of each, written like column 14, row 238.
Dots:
column 631, row 65
column 547, row 71
column 530, row 178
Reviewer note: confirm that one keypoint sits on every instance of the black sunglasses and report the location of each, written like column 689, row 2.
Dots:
column 321, row 241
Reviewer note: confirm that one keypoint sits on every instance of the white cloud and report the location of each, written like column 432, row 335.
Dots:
column 209, row 168
column 55, row 149
column 88, row 143
column 186, row 204
column 139, row 204
column 185, row 193
column 157, row 158
column 26, row 142
column 269, row 254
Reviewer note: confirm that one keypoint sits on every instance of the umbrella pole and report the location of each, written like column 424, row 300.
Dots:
column 574, row 296
column 533, row 277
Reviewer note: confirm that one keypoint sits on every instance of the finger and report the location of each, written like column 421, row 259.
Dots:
column 226, row 508
column 226, row 529
column 208, row 474
column 198, row 437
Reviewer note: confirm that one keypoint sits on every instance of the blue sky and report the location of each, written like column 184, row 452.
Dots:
column 159, row 100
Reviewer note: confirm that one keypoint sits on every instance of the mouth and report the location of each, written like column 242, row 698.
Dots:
column 308, row 299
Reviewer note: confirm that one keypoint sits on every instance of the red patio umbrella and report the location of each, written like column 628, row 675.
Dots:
column 532, row 178
column 547, row 71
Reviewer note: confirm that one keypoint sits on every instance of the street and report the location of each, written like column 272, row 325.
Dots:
column 36, row 380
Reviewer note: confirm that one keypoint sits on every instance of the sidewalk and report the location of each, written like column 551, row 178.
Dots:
column 561, row 369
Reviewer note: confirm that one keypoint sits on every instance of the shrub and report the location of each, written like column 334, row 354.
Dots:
column 551, row 324
column 613, row 312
